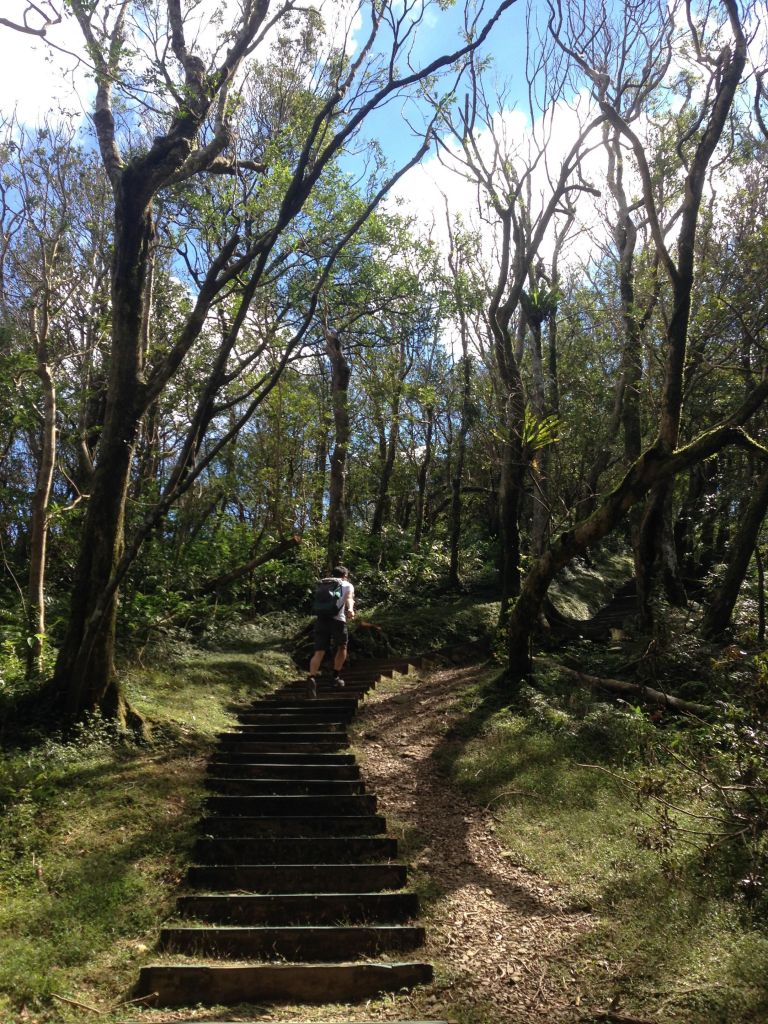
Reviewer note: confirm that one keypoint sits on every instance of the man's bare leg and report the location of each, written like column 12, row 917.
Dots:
column 338, row 663
column 315, row 663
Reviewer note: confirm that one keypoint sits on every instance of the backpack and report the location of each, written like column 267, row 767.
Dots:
column 328, row 598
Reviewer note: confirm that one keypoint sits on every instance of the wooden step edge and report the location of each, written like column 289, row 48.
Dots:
column 186, row 984
column 307, row 943
column 239, row 894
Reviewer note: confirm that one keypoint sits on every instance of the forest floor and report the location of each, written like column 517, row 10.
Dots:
column 541, row 898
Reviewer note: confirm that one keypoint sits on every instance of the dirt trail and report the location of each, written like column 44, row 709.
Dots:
column 496, row 931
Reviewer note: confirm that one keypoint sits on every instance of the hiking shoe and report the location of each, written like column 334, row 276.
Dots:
column 311, row 688
column 338, row 683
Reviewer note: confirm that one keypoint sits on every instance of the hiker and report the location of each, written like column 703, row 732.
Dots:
column 334, row 602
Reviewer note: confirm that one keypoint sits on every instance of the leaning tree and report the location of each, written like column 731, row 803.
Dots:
column 721, row 66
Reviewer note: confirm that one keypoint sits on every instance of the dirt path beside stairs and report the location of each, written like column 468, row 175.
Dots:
column 496, row 932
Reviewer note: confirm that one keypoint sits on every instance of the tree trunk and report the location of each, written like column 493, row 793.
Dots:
column 511, row 491
column 656, row 563
column 760, row 595
column 85, row 671
column 381, row 509
column 540, row 461
column 337, row 509
column 458, row 470
column 423, row 476
column 38, row 541
column 717, row 617
column 695, row 515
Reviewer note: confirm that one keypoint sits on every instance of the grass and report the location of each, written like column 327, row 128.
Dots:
column 580, row 591
column 95, row 835
column 423, row 626
column 666, row 941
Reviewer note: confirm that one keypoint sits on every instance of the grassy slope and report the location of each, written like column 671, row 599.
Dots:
column 95, row 835
column 666, row 941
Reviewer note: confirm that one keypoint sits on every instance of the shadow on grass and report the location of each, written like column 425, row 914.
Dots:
column 103, row 866
column 385, row 717
column 662, row 935
column 666, row 949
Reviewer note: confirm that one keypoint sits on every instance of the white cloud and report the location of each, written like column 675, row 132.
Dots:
column 426, row 189
column 36, row 78
column 39, row 77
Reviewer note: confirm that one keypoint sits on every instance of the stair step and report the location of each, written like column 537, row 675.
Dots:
column 278, row 735
column 325, row 691
column 282, row 727
column 360, row 803
column 300, row 825
column 271, row 746
column 294, row 700
column 299, row 685
column 297, row 757
column 295, row 850
column 297, row 878
column 268, row 770
column 296, row 716
column 323, row 943
column 230, row 984
column 274, row 787
column 301, row 908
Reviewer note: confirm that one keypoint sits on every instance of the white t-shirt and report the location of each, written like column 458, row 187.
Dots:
column 348, row 602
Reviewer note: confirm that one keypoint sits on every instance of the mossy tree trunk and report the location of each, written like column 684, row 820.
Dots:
column 85, row 669
column 337, row 503
column 717, row 617
column 655, row 466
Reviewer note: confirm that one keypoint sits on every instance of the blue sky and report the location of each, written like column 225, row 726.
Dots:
column 32, row 78
column 33, row 82
column 442, row 32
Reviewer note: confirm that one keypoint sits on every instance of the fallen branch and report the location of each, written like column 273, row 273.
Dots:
column 138, row 999
column 74, row 1002
column 647, row 693
column 506, row 792
column 242, row 570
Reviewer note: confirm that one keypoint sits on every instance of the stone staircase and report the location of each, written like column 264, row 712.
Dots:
column 296, row 894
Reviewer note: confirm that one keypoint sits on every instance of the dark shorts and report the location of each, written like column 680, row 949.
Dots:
column 330, row 630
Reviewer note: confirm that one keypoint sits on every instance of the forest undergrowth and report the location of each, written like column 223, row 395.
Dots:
column 611, row 807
